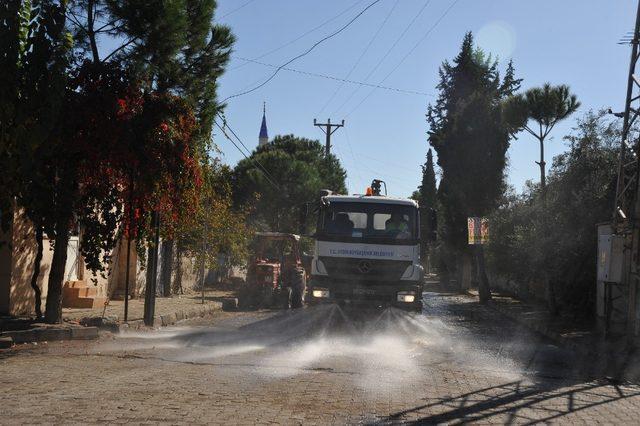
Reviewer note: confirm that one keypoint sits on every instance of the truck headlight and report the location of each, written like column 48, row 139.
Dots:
column 320, row 293
column 406, row 297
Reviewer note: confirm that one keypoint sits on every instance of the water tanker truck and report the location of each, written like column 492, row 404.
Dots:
column 367, row 251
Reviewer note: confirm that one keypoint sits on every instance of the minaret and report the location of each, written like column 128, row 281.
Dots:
column 263, row 138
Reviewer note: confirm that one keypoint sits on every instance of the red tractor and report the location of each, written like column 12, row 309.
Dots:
column 275, row 274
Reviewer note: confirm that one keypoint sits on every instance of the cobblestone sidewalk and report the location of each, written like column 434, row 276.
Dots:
column 610, row 356
column 168, row 310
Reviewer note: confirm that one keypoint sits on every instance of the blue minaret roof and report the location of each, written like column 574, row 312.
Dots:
column 263, row 127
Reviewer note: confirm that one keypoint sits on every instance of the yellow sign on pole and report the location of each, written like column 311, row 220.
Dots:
column 478, row 228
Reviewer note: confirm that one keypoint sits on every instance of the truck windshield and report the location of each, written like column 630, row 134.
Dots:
column 368, row 221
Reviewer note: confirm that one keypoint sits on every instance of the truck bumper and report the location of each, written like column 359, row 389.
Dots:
column 367, row 295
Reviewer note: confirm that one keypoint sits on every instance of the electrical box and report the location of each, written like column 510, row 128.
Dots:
column 610, row 256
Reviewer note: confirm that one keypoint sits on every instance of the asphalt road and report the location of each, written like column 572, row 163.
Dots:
column 456, row 362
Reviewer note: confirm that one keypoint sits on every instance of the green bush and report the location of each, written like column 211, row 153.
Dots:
column 580, row 193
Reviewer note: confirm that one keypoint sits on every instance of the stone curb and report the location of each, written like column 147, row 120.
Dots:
column 116, row 326
column 48, row 334
column 92, row 326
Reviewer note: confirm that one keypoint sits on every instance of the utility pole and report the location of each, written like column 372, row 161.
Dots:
column 328, row 130
column 626, row 218
column 152, row 273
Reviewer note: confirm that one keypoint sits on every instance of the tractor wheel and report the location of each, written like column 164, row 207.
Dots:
column 298, row 285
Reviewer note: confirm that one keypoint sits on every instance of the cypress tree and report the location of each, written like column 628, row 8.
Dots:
column 426, row 197
column 471, row 139
column 427, row 188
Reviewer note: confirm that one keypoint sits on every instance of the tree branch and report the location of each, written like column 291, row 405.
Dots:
column 119, row 48
column 108, row 24
column 534, row 134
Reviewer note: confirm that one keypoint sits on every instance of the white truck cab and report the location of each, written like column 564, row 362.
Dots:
column 367, row 251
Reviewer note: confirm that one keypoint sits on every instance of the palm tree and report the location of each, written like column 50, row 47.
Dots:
column 543, row 107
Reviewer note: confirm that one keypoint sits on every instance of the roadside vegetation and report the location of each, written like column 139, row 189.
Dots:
column 542, row 242
column 580, row 191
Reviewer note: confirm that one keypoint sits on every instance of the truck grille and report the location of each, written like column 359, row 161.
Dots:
column 365, row 269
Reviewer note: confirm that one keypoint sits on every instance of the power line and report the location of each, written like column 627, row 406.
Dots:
column 237, row 9
column 393, row 46
column 330, row 77
column 415, row 46
column 305, row 52
column 302, row 35
column 253, row 160
column 224, row 121
column 226, row 124
column 360, row 57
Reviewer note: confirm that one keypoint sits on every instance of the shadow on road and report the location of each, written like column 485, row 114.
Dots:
column 523, row 403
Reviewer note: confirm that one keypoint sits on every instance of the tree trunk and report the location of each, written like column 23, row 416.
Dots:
column 543, row 173
column 444, row 272
column 167, row 267
column 177, row 282
column 91, row 32
column 465, row 271
column 53, row 312
column 484, row 290
column 36, row 273
column 549, row 289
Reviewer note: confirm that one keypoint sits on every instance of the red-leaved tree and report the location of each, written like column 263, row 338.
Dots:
column 121, row 153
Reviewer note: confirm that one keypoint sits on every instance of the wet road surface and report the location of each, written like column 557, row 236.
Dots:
column 456, row 362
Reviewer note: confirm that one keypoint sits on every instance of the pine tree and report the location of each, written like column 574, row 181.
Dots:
column 175, row 45
column 468, row 132
column 180, row 49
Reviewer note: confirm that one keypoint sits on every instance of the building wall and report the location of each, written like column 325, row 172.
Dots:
column 16, row 267
column 18, row 251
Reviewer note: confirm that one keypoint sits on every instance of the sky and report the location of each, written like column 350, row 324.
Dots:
column 401, row 44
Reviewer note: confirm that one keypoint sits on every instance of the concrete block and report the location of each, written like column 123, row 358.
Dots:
column 6, row 342
column 84, row 333
column 20, row 336
column 51, row 334
column 39, row 334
